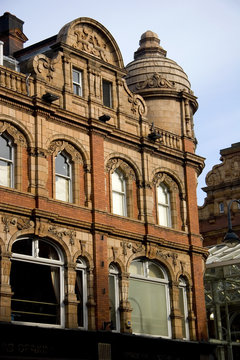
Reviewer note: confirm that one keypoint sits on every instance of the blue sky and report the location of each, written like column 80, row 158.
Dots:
column 201, row 36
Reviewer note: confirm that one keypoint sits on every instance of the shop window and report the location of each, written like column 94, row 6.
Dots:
column 6, row 161
column 63, row 177
column 114, row 297
column 107, row 93
column 164, row 208
column 81, row 292
column 149, row 298
column 77, row 82
column 183, row 306
column 119, row 204
column 37, row 282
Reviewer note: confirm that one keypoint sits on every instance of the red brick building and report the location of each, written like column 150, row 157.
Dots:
column 99, row 229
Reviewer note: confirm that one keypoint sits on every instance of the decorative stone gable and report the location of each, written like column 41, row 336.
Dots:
column 229, row 170
column 88, row 35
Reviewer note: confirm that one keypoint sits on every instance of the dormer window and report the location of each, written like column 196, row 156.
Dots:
column 107, row 93
column 77, row 82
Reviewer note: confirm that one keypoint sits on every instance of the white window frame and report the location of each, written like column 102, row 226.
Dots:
column 122, row 194
column 9, row 161
column 107, row 97
column 82, row 267
column 165, row 282
column 166, row 207
column 67, row 178
column 77, row 85
column 114, row 273
column 183, row 287
column 35, row 259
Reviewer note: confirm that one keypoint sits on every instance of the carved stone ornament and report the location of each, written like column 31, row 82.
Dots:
column 86, row 39
column 20, row 223
column 165, row 256
column 36, row 151
column 138, row 106
column 17, row 136
column 128, row 246
column 24, row 224
column 60, row 145
column 7, row 221
column 164, row 178
column 213, row 178
column 45, row 66
column 63, row 232
column 155, row 81
column 116, row 163
column 114, row 251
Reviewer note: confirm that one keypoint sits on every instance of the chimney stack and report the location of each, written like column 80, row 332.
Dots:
column 11, row 33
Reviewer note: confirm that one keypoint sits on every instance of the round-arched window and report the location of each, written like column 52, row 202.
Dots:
column 183, row 307
column 114, row 297
column 81, row 292
column 149, row 298
column 37, row 282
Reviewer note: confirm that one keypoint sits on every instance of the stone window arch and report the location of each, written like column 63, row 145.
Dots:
column 63, row 177
column 14, row 143
column 164, row 205
column 125, row 177
column 67, row 166
column 167, row 200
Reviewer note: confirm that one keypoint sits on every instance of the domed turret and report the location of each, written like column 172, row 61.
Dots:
column 161, row 82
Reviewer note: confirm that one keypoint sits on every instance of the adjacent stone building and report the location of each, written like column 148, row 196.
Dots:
column 222, row 285
column 223, row 185
column 99, row 230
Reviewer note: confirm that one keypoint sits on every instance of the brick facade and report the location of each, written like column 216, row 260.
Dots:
column 86, row 227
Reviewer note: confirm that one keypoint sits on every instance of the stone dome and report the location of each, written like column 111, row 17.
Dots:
column 151, row 69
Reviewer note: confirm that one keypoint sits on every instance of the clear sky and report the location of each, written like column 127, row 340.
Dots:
column 202, row 36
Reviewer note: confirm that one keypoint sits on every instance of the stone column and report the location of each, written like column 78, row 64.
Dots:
column 71, row 302
column 91, row 304
column 125, row 307
column 5, row 288
column 176, row 315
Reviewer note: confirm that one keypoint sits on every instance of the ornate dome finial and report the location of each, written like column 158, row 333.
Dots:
column 149, row 45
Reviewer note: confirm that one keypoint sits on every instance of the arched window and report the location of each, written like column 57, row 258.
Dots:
column 183, row 306
column 119, row 203
column 114, row 297
column 164, row 208
column 149, row 298
column 37, row 282
column 63, row 177
column 81, row 292
column 6, row 161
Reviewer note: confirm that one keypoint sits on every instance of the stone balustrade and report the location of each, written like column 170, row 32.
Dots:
column 170, row 140
column 14, row 80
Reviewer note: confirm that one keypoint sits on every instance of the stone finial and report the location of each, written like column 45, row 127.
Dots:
column 149, row 45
